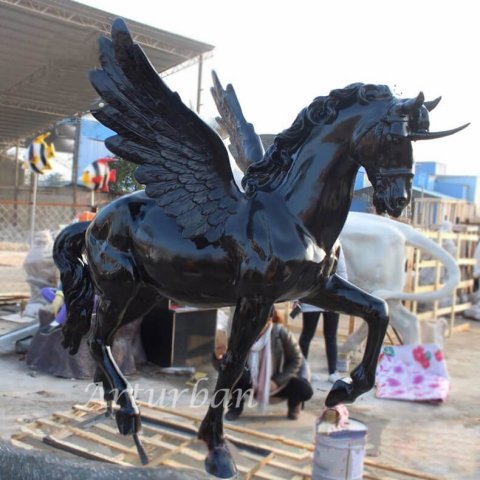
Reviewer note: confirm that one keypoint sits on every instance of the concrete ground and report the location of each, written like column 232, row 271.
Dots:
column 443, row 440
column 12, row 275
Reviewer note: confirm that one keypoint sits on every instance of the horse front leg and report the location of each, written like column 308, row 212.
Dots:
column 341, row 296
column 249, row 318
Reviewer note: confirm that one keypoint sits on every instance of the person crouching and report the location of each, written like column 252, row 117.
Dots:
column 275, row 370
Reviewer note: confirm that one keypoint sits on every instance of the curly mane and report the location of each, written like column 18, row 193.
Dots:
column 271, row 170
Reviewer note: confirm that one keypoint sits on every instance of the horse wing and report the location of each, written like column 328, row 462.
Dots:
column 246, row 146
column 182, row 161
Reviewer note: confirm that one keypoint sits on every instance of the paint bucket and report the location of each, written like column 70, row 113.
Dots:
column 339, row 447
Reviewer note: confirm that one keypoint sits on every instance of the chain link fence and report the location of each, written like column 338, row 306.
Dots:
column 19, row 219
column 19, row 222
column 15, row 237
column 35, row 203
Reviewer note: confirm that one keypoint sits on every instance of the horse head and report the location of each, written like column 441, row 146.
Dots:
column 384, row 149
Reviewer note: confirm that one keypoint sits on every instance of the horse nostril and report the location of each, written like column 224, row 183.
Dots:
column 402, row 202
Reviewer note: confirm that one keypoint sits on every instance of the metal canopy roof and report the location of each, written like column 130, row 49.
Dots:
column 47, row 48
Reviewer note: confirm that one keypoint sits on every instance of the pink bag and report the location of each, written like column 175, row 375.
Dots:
column 412, row 372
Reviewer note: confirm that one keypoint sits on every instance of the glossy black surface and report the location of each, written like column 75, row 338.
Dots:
column 194, row 237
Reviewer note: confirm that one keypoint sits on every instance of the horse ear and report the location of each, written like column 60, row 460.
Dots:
column 412, row 105
column 432, row 104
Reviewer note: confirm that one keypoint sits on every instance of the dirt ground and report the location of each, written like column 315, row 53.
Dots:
column 442, row 440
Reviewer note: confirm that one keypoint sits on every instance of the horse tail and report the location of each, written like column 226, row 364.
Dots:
column 417, row 239
column 77, row 284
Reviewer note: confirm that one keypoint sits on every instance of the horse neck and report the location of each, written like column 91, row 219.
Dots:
column 319, row 188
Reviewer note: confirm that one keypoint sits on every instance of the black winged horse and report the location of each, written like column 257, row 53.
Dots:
column 194, row 237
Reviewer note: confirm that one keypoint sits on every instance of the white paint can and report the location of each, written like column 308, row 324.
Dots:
column 339, row 450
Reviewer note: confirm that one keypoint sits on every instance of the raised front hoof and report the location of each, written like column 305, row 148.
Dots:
column 341, row 392
column 128, row 423
column 219, row 463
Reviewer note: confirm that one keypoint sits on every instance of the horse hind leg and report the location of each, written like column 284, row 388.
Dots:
column 111, row 315
column 249, row 319
column 109, row 319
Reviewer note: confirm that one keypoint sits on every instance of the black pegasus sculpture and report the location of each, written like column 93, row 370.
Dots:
column 194, row 237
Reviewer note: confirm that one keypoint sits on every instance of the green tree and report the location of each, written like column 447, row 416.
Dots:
column 125, row 181
column 55, row 179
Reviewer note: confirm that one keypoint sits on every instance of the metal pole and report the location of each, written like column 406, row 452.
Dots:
column 76, row 152
column 34, row 205
column 199, row 83
column 15, row 188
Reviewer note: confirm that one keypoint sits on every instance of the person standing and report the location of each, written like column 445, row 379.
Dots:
column 311, row 316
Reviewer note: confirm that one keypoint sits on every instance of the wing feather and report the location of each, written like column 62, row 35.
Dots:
column 181, row 160
column 245, row 145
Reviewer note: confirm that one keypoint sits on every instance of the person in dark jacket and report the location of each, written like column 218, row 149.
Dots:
column 273, row 371
column 311, row 315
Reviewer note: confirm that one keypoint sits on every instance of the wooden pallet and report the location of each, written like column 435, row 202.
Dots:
column 169, row 438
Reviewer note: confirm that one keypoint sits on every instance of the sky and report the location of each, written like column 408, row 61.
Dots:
column 280, row 55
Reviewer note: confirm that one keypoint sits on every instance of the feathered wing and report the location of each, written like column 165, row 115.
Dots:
column 182, row 161
column 245, row 144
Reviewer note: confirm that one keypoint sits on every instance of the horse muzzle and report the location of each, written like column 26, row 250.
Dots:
column 390, row 202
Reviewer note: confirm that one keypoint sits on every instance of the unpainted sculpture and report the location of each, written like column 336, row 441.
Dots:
column 375, row 251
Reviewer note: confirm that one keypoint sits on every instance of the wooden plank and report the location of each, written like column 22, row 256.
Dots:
column 28, row 430
column 264, row 461
column 428, row 314
column 428, row 263
column 466, row 261
column 370, row 476
column 464, row 241
column 181, row 466
column 93, row 406
column 264, row 456
column 81, row 452
column 403, row 471
column 240, row 441
column 461, row 328
column 465, row 284
column 164, row 456
column 233, row 428
column 90, row 436
column 10, row 296
column 17, row 441
column 152, row 441
column 283, row 466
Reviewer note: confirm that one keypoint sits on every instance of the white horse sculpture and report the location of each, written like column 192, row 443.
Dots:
column 375, row 253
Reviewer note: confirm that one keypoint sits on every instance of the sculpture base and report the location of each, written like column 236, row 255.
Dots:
column 46, row 353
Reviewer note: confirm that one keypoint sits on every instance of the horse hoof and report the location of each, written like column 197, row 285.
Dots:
column 128, row 423
column 341, row 392
column 219, row 463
